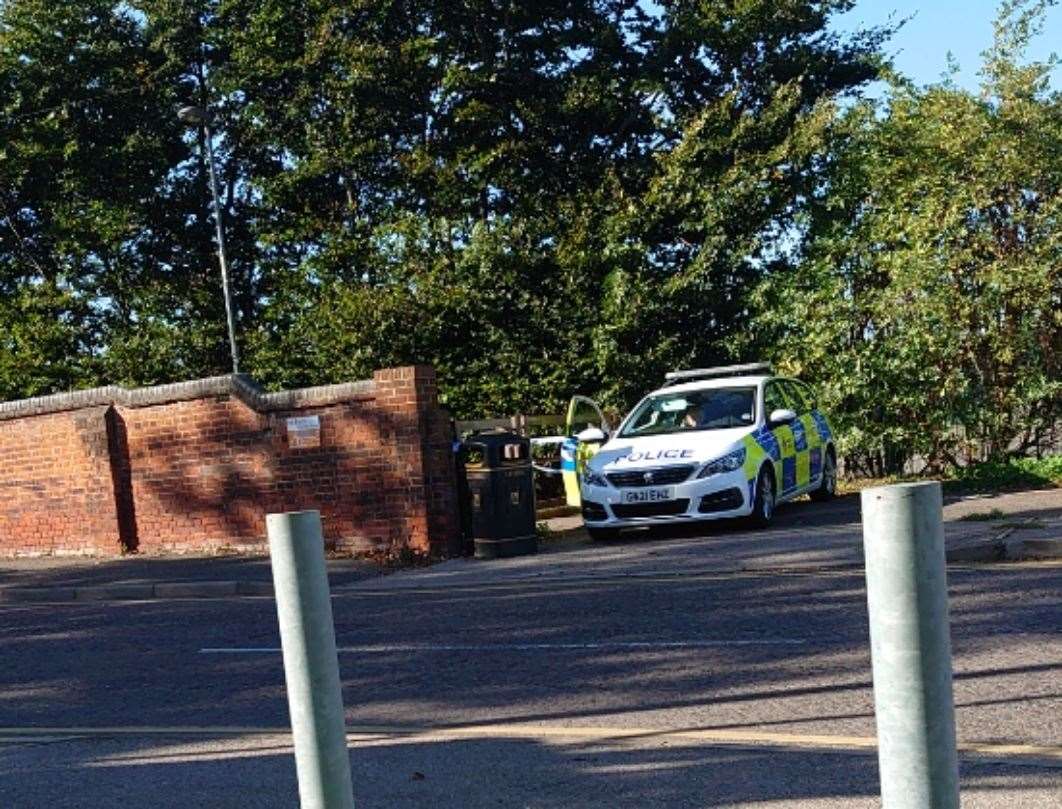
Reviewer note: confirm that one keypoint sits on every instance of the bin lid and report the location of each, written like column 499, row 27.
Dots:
column 497, row 448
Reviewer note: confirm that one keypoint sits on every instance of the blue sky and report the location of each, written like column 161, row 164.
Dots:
column 962, row 26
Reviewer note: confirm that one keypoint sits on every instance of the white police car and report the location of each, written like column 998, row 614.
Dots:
column 712, row 443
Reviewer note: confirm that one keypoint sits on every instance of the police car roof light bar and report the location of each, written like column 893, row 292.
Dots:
column 675, row 377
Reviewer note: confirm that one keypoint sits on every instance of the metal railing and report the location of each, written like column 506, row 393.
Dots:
column 526, row 425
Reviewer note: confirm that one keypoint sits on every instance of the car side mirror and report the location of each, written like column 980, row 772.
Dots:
column 783, row 415
column 592, row 435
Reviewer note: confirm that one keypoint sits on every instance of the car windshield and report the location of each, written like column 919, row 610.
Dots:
column 688, row 411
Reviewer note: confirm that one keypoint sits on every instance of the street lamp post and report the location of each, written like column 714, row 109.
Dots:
column 198, row 116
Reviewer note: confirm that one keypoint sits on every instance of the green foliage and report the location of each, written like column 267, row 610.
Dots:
column 103, row 227
column 539, row 199
column 984, row 516
column 927, row 300
column 42, row 346
column 521, row 195
column 1012, row 473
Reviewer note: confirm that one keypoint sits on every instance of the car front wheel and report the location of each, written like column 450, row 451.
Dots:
column 764, row 501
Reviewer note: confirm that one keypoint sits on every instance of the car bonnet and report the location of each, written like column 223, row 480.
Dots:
column 694, row 446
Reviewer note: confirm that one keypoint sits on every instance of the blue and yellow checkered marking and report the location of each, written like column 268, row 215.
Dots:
column 759, row 446
column 768, row 443
column 797, row 452
column 569, row 474
column 815, row 464
column 825, row 433
column 789, row 474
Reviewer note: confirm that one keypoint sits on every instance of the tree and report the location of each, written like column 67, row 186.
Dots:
column 423, row 165
column 929, row 298
column 103, row 227
column 742, row 91
column 477, row 185
column 536, row 198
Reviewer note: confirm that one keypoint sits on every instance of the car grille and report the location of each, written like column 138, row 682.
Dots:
column 664, row 508
column 661, row 476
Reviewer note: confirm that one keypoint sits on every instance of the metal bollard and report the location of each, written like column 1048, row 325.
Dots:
column 907, row 597
column 311, row 668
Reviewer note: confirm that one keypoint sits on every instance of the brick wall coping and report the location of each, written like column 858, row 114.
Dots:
column 239, row 385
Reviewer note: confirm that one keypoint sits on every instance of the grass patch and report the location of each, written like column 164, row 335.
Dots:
column 856, row 485
column 983, row 516
column 1014, row 474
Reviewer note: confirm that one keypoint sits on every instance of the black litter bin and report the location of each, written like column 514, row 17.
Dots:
column 501, row 495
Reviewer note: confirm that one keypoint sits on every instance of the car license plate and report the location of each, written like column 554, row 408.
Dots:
column 648, row 495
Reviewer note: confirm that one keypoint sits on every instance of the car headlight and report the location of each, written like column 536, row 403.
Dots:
column 728, row 463
column 592, row 478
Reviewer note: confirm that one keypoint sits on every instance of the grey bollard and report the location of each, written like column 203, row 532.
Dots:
column 311, row 668
column 907, row 597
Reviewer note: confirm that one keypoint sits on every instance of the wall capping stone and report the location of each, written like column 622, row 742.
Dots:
column 241, row 386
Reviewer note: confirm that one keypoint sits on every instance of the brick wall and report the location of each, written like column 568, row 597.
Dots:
column 56, row 491
column 195, row 467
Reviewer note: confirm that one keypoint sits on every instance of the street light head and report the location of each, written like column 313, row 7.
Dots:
column 195, row 116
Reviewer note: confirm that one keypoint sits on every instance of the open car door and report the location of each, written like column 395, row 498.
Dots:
column 584, row 418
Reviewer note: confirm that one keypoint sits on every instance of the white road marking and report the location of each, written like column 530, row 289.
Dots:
column 518, row 647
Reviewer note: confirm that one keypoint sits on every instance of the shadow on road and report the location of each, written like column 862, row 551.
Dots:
column 122, row 664
column 67, row 572
column 474, row 774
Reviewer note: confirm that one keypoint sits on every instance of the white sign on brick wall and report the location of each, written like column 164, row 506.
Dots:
column 304, row 432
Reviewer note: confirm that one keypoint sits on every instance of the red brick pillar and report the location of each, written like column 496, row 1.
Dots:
column 421, row 463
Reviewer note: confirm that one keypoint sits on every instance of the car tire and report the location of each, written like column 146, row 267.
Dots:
column 827, row 488
column 602, row 534
column 764, row 501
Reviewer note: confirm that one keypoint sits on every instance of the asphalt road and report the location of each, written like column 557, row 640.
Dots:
column 703, row 688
